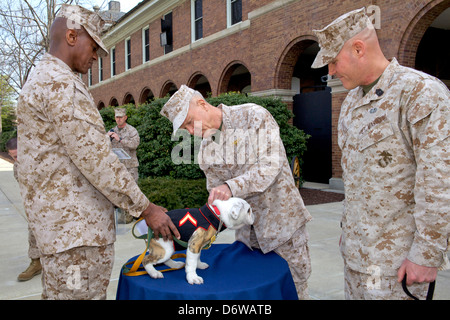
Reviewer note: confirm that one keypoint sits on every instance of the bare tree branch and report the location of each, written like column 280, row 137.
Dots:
column 25, row 35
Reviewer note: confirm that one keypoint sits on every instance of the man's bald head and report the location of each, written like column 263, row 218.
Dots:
column 58, row 32
column 73, row 46
column 365, row 57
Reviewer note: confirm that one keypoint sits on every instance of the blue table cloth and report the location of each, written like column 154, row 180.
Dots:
column 235, row 273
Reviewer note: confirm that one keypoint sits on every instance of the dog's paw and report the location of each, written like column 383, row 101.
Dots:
column 174, row 264
column 156, row 275
column 194, row 279
column 202, row 265
column 152, row 272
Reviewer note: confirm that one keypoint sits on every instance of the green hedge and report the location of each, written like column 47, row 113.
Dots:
column 9, row 125
column 175, row 193
column 4, row 137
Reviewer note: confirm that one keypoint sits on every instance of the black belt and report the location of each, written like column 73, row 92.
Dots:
column 429, row 294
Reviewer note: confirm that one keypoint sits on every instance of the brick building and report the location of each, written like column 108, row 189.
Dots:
column 262, row 47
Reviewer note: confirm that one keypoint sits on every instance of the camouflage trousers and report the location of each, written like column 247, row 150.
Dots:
column 296, row 253
column 81, row 273
column 33, row 250
column 361, row 286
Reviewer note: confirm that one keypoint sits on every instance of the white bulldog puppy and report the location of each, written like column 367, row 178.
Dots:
column 197, row 227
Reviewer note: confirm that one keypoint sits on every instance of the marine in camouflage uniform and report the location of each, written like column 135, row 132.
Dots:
column 70, row 179
column 248, row 156
column 394, row 136
column 126, row 137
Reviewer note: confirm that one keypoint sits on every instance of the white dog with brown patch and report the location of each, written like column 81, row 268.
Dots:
column 197, row 228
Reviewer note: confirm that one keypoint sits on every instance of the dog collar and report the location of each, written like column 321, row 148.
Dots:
column 216, row 210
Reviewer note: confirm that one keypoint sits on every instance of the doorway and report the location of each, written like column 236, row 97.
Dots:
column 312, row 114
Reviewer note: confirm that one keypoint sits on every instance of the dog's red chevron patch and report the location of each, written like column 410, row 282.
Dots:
column 186, row 218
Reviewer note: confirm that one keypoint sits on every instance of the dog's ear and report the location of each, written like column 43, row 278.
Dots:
column 236, row 210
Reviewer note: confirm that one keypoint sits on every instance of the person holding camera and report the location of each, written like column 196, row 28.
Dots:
column 126, row 137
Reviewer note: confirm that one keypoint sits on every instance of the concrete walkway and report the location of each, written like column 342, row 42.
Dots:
column 326, row 281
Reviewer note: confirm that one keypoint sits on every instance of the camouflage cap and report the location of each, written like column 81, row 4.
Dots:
column 333, row 37
column 78, row 16
column 177, row 107
column 120, row 112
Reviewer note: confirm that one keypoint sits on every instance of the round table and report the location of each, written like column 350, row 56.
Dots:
column 235, row 273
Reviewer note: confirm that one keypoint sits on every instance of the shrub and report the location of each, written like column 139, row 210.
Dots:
column 156, row 146
column 175, row 193
column 4, row 137
column 8, row 129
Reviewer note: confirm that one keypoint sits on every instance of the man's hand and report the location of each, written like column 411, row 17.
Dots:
column 113, row 135
column 416, row 273
column 161, row 224
column 222, row 192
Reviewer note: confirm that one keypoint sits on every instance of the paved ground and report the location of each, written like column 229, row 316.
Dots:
column 326, row 281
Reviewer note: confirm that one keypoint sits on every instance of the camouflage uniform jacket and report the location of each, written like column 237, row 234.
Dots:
column 396, row 164
column 249, row 156
column 129, row 143
column 69, row 177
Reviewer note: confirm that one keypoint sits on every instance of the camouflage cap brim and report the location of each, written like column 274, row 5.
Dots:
column 177, row 107
column 333, row 37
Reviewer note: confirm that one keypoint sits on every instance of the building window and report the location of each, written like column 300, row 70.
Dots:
column 145, row 44
column 234, row 12
column 127, row 54
column 197, row 19
column 166, row 33
column 90, row 77
column 100, row 69
column 113, row 61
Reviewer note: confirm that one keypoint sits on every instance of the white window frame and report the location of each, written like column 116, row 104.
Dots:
column 193, row 21
column 100, row 69
column 111, row 60
column 143, row 44
column 127, row 63
column 229, row 15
